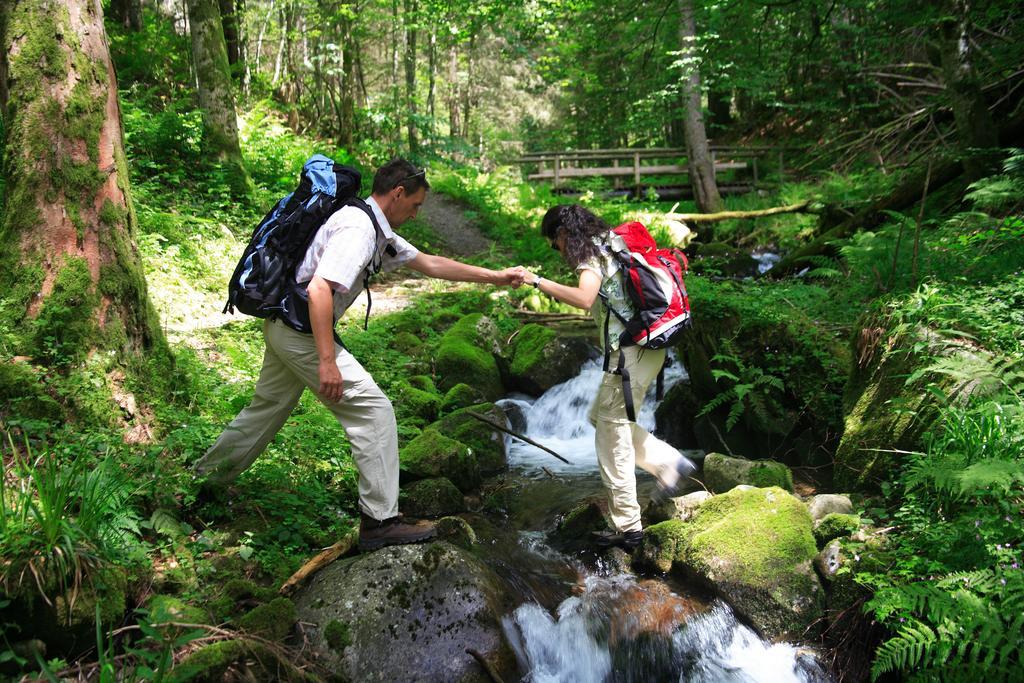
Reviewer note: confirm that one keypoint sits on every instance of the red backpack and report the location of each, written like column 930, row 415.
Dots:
column 653, row 281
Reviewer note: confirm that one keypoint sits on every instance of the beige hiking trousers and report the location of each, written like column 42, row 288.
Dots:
column 622, row 446
column 291, row 364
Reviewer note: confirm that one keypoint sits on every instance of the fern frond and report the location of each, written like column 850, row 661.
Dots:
column 1000, row 474
column 907, row 649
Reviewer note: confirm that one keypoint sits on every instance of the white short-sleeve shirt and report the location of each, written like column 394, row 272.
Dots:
column 344, row 246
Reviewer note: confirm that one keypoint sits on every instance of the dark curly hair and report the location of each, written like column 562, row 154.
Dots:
column 579, row 225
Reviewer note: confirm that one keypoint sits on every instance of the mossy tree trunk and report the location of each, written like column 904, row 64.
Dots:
column 71, row 280
column 216, row 98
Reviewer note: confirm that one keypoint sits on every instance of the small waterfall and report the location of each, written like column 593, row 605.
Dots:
column 590, row 641
column 766, row 260
column 558, row 419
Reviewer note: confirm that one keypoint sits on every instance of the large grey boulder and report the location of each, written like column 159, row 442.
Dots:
column 406, row 613
column 681, row 508
column 827, row 503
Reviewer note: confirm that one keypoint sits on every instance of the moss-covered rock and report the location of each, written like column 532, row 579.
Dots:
column 273, row 620
column 164, row 608
column 754, row 546
column 249, row 660
column 456, row 531
column 681, row 507
column 722, row 473
column 585, row 517
column 486, row 442
column 408, row 343
column 461, row 396
column 432, row 454
column 835, row 525
column 431, row 498
column 883, row 413
column 423, row 383
column 408, row 608
column 542, row 358
column 338, row 635
column 412, row 402
column 466, row 355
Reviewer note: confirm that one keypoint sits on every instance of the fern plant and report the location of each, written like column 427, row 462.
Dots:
column 750, row 389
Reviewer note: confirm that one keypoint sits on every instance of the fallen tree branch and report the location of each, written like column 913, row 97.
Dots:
column 525, row 439
column 319, row 562
column 800, row 207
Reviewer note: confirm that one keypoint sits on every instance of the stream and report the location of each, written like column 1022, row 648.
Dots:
column 581, row 617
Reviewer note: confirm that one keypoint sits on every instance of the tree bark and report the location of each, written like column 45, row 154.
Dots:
column 216, row 99
column 453, row 89
column 976, row 131
column 348, row 86
column 229, row 20
column 69, row 266
column 432, row 82
column 702, row 169
column 409, row 17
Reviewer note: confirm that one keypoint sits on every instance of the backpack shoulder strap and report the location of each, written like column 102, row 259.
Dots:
column 377, row 260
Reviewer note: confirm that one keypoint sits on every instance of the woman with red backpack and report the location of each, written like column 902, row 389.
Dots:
column 636, row 295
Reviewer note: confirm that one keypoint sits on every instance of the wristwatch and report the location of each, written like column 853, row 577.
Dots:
column 536, row 282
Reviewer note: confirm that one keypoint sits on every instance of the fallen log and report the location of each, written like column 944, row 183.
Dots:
column 799, row 207
column 323, row 559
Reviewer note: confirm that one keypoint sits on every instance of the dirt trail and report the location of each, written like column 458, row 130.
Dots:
column 447, row 218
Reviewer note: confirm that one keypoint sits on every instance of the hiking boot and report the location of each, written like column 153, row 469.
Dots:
column 627, row 540
column 374, row 534
column 684, row 468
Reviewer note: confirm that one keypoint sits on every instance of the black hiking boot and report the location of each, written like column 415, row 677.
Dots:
column 375, row 534
column 627, row 540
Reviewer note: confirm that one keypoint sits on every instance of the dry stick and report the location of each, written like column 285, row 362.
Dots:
column 319, row 562
column 920, row 217
column 503, row 428
column 728, row 215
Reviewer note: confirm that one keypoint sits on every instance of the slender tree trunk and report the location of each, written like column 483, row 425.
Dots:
column 229, row 20
column 453, row 90
column 69, row 267
column 975, row 127
column 215, row 96
column 702, row 170
column 432, row 80
column 348, row 86
column 410, row 72
column 467, row 91
column 127, row 13
column 396, row 96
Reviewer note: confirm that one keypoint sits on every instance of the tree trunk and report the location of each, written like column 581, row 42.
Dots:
column 69, row 267
column 467, row 91
column 453, row 90
column 409, row 16
column 229, row 20
column 702, row 169
column 215, row 96
column 975, row 128
column 348, row 86
column 432, row 82
column 127, row 13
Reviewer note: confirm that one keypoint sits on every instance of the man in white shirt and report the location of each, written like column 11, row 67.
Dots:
column 334, row 266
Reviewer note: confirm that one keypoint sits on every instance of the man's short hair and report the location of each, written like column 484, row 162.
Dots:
column 399, row 172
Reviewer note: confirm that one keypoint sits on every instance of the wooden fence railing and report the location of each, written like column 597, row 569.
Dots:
column 626, row 163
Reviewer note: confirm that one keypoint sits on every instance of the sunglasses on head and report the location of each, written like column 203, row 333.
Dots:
column 417, row 174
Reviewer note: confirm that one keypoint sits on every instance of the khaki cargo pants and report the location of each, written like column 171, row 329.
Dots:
column 622, row 446
column 290, row 365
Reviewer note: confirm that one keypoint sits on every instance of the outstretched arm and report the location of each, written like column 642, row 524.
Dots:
column 449, row 269
column 581, row 296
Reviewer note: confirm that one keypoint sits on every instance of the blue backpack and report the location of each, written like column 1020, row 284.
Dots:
column 263, row 284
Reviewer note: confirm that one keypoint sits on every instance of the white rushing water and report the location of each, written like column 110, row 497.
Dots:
column 558, row 419
column 573, row 646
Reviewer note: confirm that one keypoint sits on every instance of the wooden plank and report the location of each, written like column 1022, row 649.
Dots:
column 635, row 170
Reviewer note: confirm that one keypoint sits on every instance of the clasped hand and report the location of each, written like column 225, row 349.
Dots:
column 517, row 276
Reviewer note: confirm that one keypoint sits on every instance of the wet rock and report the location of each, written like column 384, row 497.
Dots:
column 486, row 442
column 432, row 454
column 829, row 561
column 835, row 525
column 431, row 498
column 456, row 531
column 755, row 547
column 542, row 358
column 681, row 508
column 826, row 503
column 407, row 613
column 588, row 515
column 675, row 416
column 465, row 355
column 722, row 473
column 719, row 258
